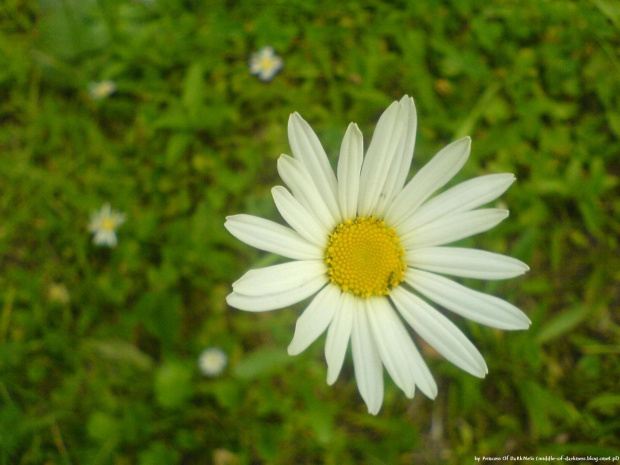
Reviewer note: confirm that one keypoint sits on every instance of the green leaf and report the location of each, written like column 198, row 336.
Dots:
column 592, row 216
column 607, row 403
column 158, row 454
column 321, row 420
column 261, row 363
column 176, row 148
column 542, row 406
column 121, row 351
column 561, row 324
column 11, row 427
column 226, row 393
column 159, row 312
column 103, row 427
column 613, row 119
column 193, row 89
column 609, row 9
column 173, row 384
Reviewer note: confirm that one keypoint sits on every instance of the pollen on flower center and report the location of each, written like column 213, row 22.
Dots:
column 364, row 257
column 108, row 224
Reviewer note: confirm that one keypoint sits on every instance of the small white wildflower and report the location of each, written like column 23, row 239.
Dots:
column 103, row 225
column 58, row 293
column 212, row 361
column 102, row 89
column 265, row 63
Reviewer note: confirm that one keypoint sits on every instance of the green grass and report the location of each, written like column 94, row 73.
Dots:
column 108, row 373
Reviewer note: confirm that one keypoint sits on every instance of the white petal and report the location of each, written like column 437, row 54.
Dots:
column 271, row 237
column 452, row 228
column 296, row 176
column 274, row 301
column 105, row 237
column 399, row 168
column 349, row 167
column 420, row 372
column 435, row 174
column 338, row 336
column 439, row 332
column 307, row 148
column 394, row 336
column 466, row 263
column 423, row 377
column 393, row 343
column 366, row 361
column 379, row 157
column 315, row 319
column 296, row 215
column 477, row 306
column 280, row 278
column 462, row 197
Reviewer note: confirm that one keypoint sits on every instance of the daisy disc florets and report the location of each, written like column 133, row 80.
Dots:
column 368, row 246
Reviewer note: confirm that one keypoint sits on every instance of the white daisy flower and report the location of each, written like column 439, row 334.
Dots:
column 103, row 225
column 212, row 361
column 265, row 63
column 370, row 246
column 102, row 89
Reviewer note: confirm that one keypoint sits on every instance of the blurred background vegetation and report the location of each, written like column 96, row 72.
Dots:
column 99, row 346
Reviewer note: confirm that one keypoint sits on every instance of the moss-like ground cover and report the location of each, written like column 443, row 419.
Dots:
column 99, row 346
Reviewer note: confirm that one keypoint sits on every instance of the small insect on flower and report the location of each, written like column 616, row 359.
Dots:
column 265, row 64
column 103, row 224
column 368, row 246
column 212, row 361
column 102, row 89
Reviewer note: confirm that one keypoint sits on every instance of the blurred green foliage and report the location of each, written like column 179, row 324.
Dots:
column 98, row 347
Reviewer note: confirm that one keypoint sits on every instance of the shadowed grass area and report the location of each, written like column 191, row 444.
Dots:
column 99, row 346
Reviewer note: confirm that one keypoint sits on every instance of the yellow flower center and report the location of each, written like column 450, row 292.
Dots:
column 267, row 63
column 108, row 224
column 364, row 257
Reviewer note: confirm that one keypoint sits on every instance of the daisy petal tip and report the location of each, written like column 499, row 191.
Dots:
column 230, row 219
column 464, row 144
column 520, row 268
column 480, row 370
column 430, row 390
column 407, row 100
column 374, row 409
column 292, row 350
column 355, row 128
column 461, row 148
column 524, row 323
column 331, row 379
column 296, row 119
